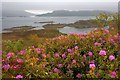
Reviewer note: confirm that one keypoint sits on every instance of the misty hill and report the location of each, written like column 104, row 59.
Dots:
column 15, row 13
column 74, row 13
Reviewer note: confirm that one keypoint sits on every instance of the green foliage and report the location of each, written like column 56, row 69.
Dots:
column 104, row 19
column 92, row 55
column 13, row 46
column 44, row 60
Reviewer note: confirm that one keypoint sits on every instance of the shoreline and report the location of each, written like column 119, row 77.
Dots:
column 47, row 31
column 78, row 24
column 42, row 33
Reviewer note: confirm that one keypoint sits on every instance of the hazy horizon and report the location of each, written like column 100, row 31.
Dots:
column 44, row 7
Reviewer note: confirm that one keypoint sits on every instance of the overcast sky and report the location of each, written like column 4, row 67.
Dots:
column 60, row 0
column 110, row 6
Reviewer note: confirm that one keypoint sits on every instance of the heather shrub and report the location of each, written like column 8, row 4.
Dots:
column 92, row 55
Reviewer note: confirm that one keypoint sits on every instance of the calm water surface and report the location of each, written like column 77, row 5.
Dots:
column 9, row 22
column 68, row 29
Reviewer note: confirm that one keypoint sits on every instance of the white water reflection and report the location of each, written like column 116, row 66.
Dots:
column 68, row 29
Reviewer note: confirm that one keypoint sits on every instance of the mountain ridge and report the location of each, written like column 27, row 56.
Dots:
column 75, row 13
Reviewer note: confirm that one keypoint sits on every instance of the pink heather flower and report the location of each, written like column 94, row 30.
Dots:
column 15, row 66
column 38, row 50
column 98, row 74
column 111, row 57
column 82, row 63
column 92, row 66
column 103, row 41
column 72, row 33
column 50, row 72
column 73, row 61
column 90, row 54
column 0, row 52
column 119, row 38
column 115, row 36
column 107, row 31
column 97, row 44
column 43, row 66
column 19, row 60
column 113, row 74
column 70, row 71
column 78, row 54
column 56, row 70
column 114, row 43
column 37, row 59
column 68, row 66
column 79, row 75
column 79, row 34
column 59, row 38
column 60, row 65
column 110, row 35
column 64, row 55
column 22, row 52
column 102, row 53
column 84, row 56
column 85, row 34
column 10, row 55
column 112, row 40
column 100, row 39
column 91, row 61
column 6, row 66
column 42, row 49
column 33, row 46
column 53, row 38
column 3, row 60
column 102, row 28
column 43, row 55
column 48, row 55
column 18, row 53
column 69, row 50
column 112, row 28
column 76, row 47
column 19, row 76
column 105, row 49
column 92, row 36
column 56, row 55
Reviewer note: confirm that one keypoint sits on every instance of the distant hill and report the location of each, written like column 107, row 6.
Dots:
column 74, row 13
column 15, row 13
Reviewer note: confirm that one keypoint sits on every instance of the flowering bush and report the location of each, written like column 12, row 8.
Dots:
column 92, row 55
